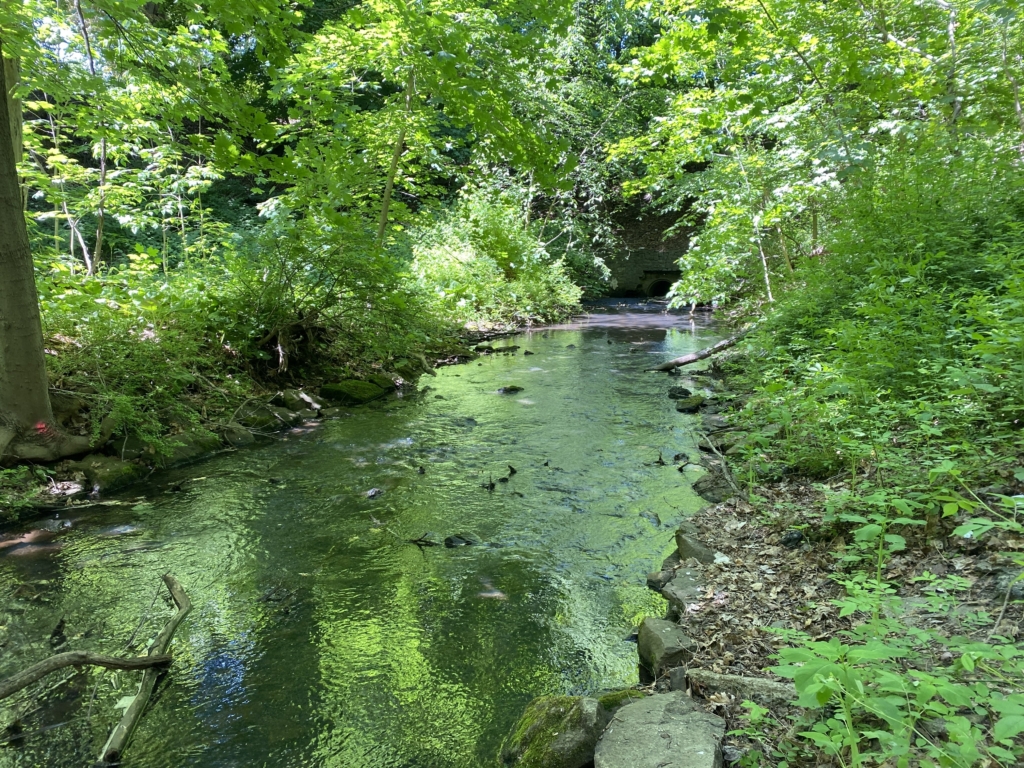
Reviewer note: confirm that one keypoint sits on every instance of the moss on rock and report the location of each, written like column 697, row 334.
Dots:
column 555, row 732
column 381, row 381
column 108, row 473
column 690, row 404
column 351, row 392
column 615, row 699
column 189, row 446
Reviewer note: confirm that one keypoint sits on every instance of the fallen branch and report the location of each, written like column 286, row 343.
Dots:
column 38, row 671
column 115, row 745
column 725, row 466
column 704, row 353
column 765, row 692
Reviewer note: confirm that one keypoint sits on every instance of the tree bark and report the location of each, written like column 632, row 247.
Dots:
column 12, row 76
column 98, row 244
column 704, row 353
column 393, row 170
column 38, row 671
column 27, row 430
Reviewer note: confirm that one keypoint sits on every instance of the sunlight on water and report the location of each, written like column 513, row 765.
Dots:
column 321, row 637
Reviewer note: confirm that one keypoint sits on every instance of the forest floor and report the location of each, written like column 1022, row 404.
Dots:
column 792, row 573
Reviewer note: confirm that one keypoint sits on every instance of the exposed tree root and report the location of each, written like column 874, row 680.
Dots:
column 47, row 443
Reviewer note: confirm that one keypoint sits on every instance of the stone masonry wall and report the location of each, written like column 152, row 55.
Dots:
column 648, row 260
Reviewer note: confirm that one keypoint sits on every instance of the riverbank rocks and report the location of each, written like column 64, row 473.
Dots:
column 663, row 644
column 411, row 369
column 712, row 422
column 189, row 446
column 555, row 732
column 236, row 435
column 296, row 400
column 107, row 473
column 688, row 545
column 656, row 580
column 722, row 442
column 267, row 418
column 679, row 393
column 668, row 730
column 714, row 487
column 615, row 699
column 382, row 380
column 690, row 404
column 351, row 392
column 683, row 590
column 131, row 448
column 487, row 349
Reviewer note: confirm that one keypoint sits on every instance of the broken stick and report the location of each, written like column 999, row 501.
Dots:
column 704, row 353
column 38, row 671
column 115, row 745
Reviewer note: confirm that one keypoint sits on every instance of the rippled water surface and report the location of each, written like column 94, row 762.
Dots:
column 320, row 636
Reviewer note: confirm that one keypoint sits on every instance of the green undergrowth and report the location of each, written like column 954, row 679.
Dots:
column 483, row 262
column 909, row 472
column 891, row 374
column 157, row 350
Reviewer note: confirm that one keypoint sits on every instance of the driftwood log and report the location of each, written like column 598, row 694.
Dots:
column 115, row 745
column 38, row 671
column 704, row 353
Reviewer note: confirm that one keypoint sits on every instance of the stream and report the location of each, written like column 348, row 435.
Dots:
column 322, row 638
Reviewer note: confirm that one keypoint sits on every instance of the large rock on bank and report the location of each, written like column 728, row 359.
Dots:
column 189, row 446
column 555, row 732
column 681, row 592
column 668, row 730
column 714, row 487
column 267, row 418
column 296, row 400
column 236, row 435
column 108, row 473
column 689, row 545
column 765, row 692
column 663, row 644
column 690, row 404
column 351, row 392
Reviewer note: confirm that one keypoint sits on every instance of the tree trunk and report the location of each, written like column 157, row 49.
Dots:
column 12, row 75
column 26, row 420
column 393, row 170
column 704, row 353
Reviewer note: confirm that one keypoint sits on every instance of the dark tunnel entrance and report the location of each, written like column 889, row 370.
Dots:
column 659, row 288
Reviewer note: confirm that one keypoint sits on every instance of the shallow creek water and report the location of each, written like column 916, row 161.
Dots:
column 320, row 637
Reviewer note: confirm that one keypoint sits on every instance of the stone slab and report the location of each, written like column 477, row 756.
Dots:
column 663, row 644
column 667, row 730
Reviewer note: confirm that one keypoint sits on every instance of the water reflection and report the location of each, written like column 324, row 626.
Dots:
column 321, row 637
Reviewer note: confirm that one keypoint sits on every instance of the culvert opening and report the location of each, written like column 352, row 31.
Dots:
column 659, row 288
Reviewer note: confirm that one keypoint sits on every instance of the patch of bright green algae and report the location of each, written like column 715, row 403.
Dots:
column 616, row 699
column 530, row 743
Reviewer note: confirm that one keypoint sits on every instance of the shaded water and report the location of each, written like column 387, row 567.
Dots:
column 320, row 637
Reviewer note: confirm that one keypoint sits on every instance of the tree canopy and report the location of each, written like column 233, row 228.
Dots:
column 202, row 203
